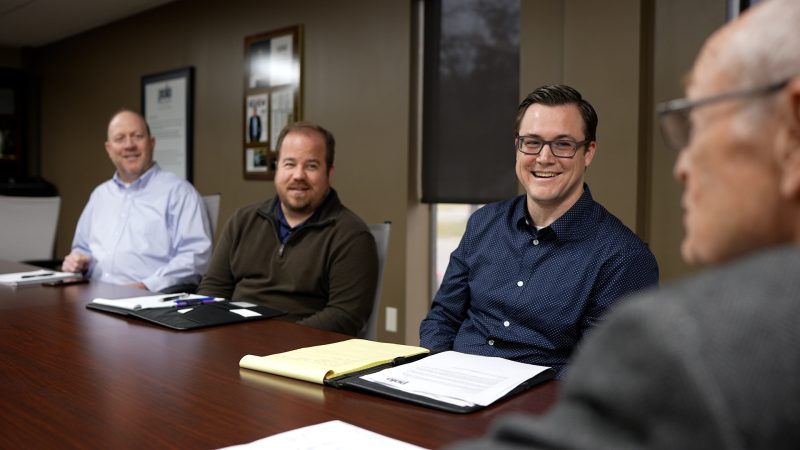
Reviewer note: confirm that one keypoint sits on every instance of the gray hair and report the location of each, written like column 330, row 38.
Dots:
column 766, row 49
column 761, row 50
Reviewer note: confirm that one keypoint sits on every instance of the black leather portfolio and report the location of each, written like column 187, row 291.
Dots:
column 204, row 315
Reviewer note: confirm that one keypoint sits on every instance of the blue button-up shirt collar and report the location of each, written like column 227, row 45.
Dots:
column 579, row 222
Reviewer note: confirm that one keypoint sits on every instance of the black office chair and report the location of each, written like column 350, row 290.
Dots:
column 180, row 289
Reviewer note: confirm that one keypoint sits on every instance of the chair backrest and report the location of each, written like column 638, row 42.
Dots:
column 28, row 227
column 381, row 233
column 212, row 207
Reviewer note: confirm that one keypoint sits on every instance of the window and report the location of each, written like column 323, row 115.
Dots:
column 450, row 220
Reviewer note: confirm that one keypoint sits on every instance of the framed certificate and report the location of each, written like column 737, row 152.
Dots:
column 167, row 107
column 272, row 96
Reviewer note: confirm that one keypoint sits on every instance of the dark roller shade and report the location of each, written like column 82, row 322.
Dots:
column 471, row 93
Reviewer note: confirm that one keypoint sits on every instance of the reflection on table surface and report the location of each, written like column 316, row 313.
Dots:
column 74, row 377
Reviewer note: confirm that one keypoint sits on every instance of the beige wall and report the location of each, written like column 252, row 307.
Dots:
column 681, row 28
column 603, row 63
column 359, row 75
column 602, row 49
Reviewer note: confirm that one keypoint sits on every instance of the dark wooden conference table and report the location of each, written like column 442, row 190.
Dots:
column 72, row 377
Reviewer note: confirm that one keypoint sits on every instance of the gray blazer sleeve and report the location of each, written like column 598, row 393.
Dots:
column 710, row 362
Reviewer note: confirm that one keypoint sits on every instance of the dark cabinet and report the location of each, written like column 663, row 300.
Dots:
column 14, row 99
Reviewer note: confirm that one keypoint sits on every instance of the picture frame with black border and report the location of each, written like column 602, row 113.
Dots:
column 272, row 96
column 168, row 107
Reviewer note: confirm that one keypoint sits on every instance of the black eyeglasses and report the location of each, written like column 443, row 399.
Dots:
column 560, row 148
column 674, row 115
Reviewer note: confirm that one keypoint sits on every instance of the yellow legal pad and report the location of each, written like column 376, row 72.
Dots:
column 320, row 362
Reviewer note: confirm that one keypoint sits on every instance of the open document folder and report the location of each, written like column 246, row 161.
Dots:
column 34, row 277
column 457, row 378
column 451, row 381
column 183, row 311
column 156, row 301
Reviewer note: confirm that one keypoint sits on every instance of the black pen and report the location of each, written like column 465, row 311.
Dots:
column 173, row 297
column 38, row 275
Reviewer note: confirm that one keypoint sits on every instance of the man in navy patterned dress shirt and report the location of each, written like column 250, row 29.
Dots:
column 534, row 273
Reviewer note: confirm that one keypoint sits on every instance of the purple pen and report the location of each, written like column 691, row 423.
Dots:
column 194, row 301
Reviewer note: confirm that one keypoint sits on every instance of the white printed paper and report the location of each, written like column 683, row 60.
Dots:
column 246, row 312
column 34, row 277
column 333, row 435
column 151, row 301
column 458, row 378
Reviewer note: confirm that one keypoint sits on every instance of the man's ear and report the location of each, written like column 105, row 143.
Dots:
column 588, row 154
column 788, row 140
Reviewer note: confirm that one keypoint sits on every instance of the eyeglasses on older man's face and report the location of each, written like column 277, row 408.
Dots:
column 674, row 115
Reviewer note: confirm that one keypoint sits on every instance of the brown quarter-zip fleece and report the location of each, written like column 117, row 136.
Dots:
column 323, row 276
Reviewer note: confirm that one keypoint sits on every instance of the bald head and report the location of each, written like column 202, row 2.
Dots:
column 741, row 167
column 125, row 113
column 759, row 47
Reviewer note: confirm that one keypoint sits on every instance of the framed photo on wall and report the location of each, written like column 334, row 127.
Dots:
column 167, row 105
column 272, row 96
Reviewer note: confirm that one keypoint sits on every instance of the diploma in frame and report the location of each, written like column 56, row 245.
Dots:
column 167, row 106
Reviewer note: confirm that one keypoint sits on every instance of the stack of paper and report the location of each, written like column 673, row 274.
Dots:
column 457, row 378
column 333, row 435
column 34, row 277
column 451, row 381
column 156, row 301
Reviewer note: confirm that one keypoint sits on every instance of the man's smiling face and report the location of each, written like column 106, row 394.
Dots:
column 553, row 184
column 130, row 145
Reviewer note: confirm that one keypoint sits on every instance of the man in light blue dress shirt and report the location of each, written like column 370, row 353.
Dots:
column 145, row 227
